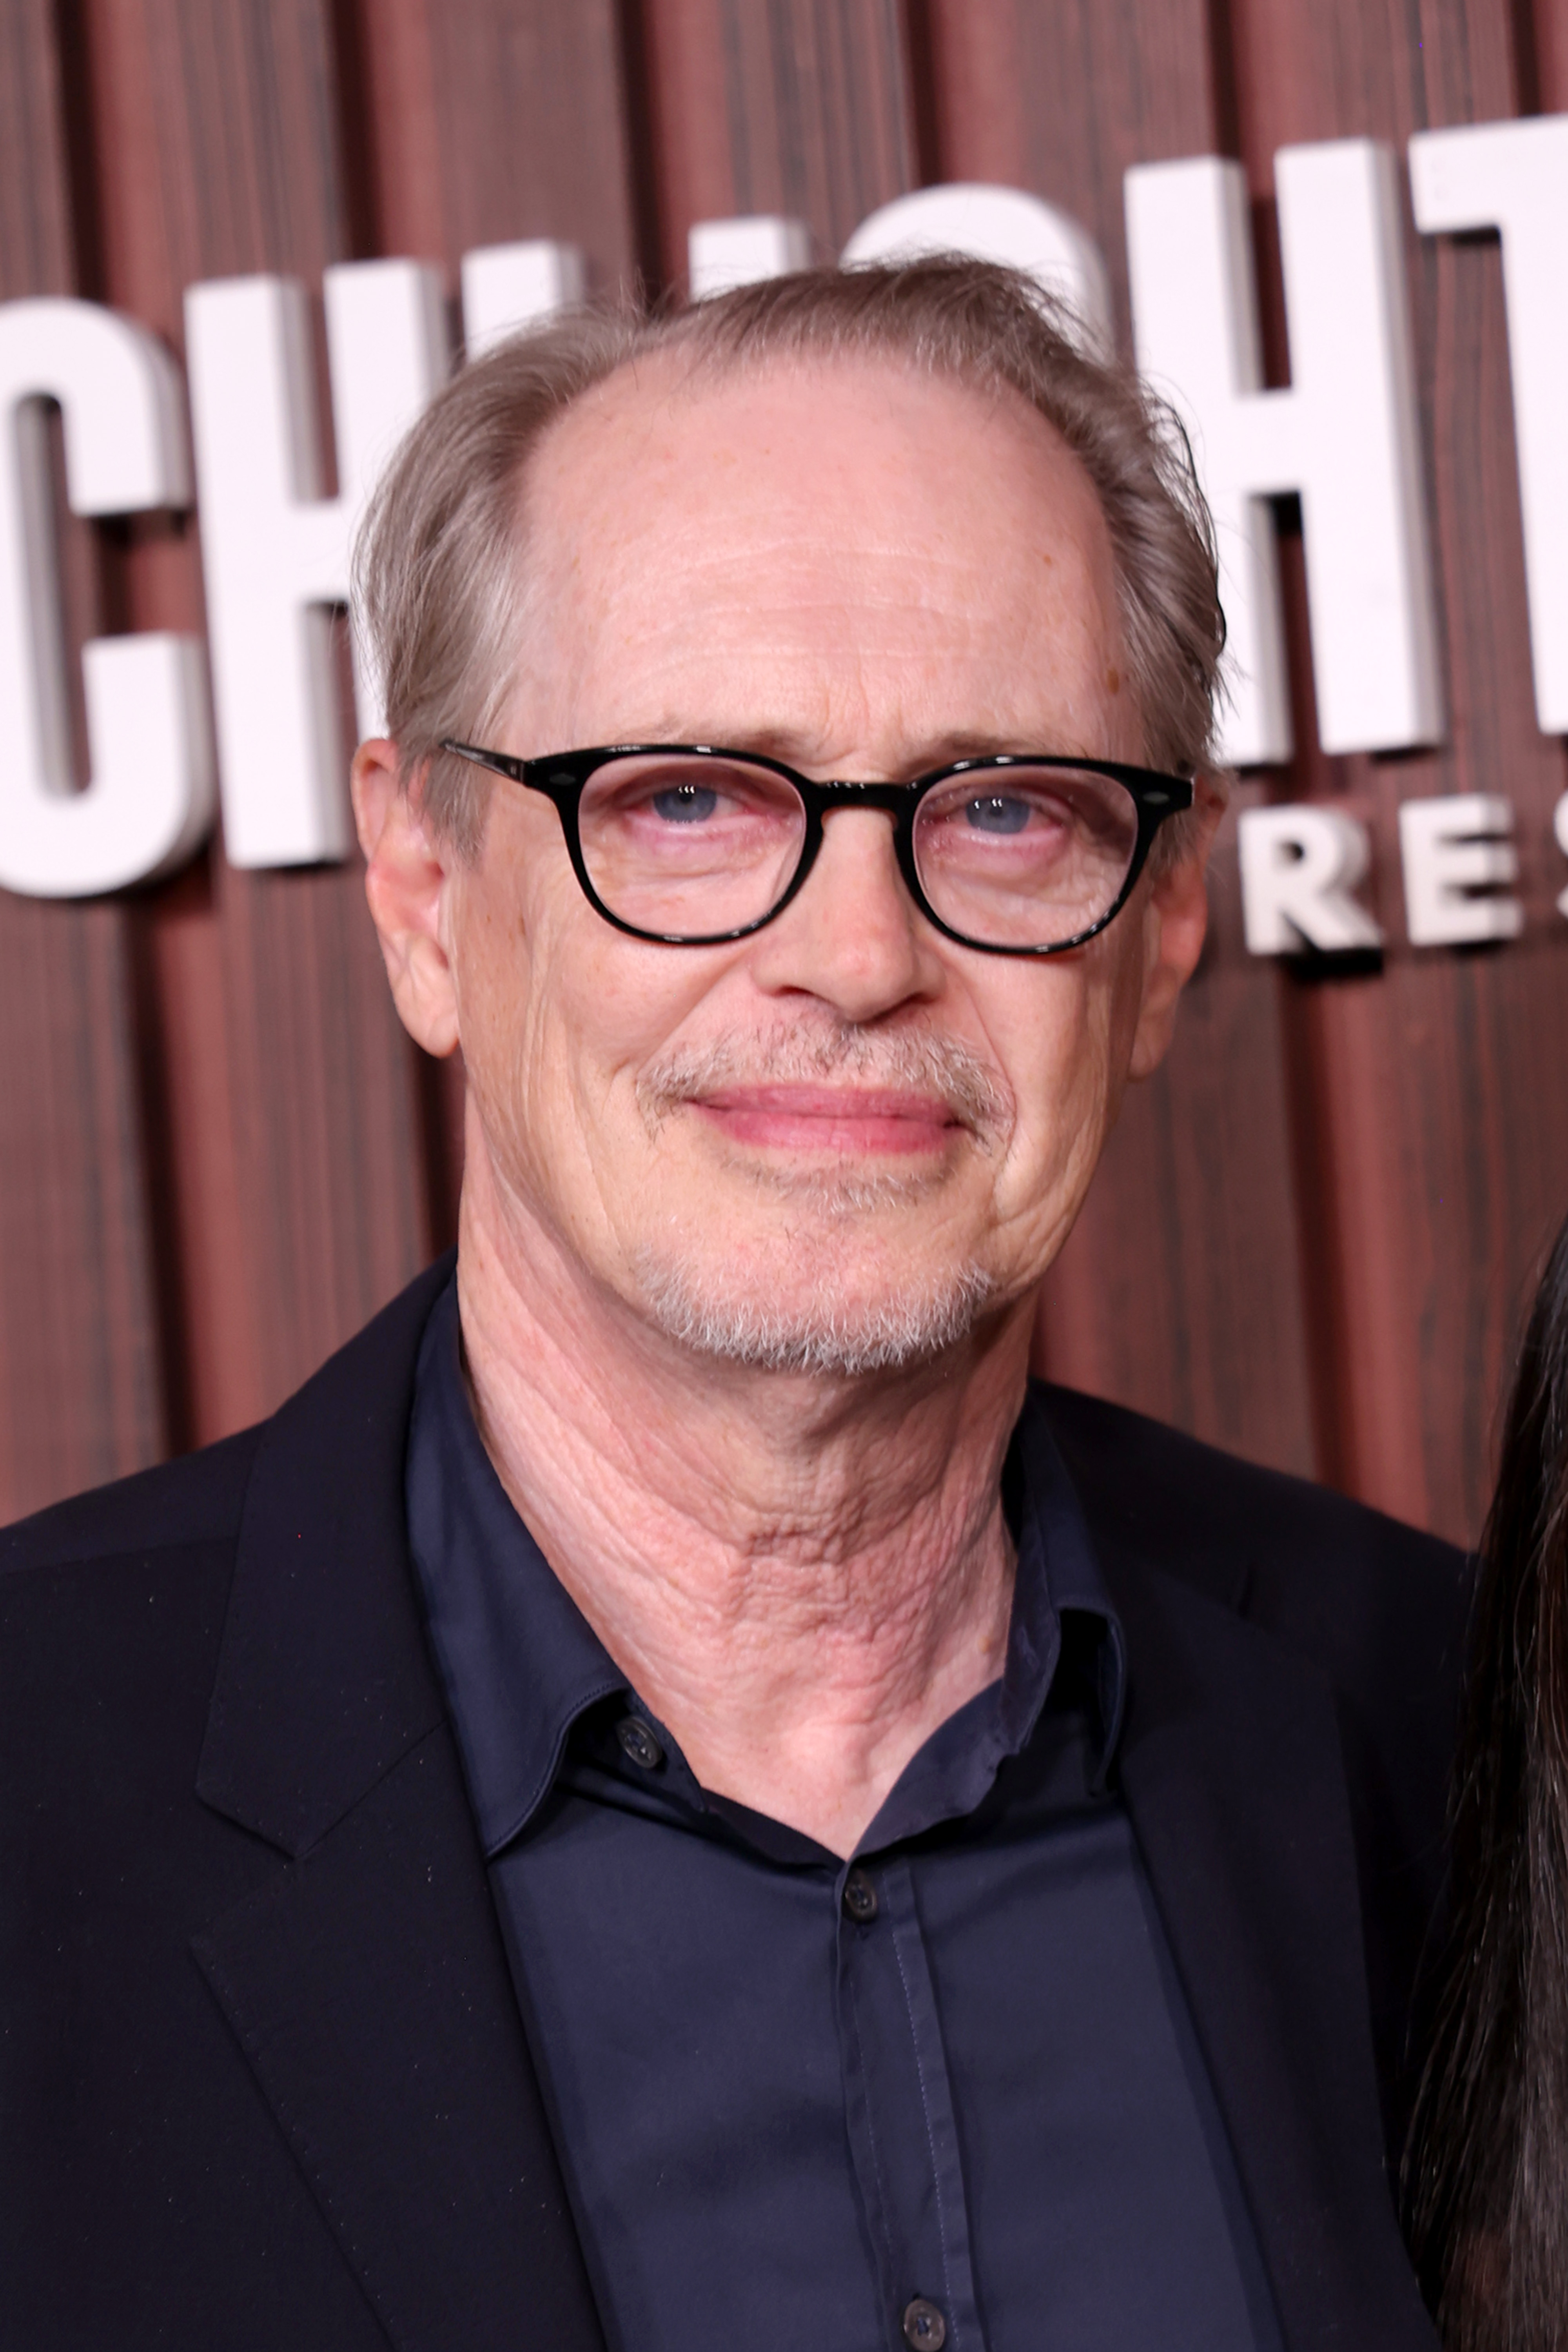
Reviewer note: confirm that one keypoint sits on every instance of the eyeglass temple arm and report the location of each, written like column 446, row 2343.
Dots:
column 501, row 761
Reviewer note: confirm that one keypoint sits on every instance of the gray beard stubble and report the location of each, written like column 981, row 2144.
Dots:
column 688, row 1302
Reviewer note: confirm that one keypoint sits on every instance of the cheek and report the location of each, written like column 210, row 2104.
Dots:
column 509, row 940
column 1064, row 1046
column 557, row 1015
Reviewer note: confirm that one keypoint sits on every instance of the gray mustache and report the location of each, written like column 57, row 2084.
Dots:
column 912, row 1062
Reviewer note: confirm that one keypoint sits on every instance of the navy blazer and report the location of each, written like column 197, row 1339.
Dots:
column 263, row 2080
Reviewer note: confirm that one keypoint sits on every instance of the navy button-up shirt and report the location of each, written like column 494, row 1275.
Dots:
column 946, row 2093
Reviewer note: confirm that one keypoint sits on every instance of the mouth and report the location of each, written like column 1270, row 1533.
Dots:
column 840, row 1122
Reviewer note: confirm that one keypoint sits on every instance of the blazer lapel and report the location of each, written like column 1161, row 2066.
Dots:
column 1231, row 1766
column 367, row 1983
column 369, row 1991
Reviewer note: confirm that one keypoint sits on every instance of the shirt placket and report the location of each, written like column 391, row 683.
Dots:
column 899, row 2109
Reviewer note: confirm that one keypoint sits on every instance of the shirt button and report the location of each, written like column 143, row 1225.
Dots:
column 860, row 1903
column 924, row 2325
column 638, row 1743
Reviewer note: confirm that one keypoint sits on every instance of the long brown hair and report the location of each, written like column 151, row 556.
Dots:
column 1485, row 2174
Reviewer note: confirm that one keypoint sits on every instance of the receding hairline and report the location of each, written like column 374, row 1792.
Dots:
column 695, row 367
column 440, row 569
column 693, row 371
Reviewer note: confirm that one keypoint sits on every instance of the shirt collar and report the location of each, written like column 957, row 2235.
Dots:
column 521, row 1663
column 519, row 1659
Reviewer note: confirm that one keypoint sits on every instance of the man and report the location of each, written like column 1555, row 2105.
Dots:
column 667, row 1799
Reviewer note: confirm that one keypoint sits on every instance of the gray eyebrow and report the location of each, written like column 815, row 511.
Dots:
column 797, row 751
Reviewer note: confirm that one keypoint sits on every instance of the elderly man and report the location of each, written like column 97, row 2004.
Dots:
column 668, row 1799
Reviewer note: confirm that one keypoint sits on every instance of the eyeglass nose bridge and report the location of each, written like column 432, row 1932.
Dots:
column 820, row 801
column 858, row 792
column 823, row 800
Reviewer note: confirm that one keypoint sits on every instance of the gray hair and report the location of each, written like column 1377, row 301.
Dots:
column 440, row 583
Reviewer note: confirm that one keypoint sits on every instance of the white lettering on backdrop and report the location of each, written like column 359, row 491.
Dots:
column 1343, row 436
column 1513, row 177
column 997, row 224
column 275, row 551
column 1299, row 867
column 723, row 254
column 1458, row 852
column 148, row 798
column 506, row 287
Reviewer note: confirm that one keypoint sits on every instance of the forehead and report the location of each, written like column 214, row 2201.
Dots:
column 825, row 541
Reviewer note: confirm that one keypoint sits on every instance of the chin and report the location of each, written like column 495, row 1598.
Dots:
column 829, row 1327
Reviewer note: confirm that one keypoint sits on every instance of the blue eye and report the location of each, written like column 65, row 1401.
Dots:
column 685, row 804
column 999, row 813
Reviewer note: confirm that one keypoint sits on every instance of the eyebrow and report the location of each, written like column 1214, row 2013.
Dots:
column 797, row 749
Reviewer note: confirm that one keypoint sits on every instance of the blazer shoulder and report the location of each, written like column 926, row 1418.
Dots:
column 196, row 1499
column 201, row 1497
column 1344, row 1583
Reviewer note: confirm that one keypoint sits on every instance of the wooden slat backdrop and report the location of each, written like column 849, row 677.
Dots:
column 1313, row 1231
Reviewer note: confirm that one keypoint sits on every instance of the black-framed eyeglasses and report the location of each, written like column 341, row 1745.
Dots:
column 1018, row 854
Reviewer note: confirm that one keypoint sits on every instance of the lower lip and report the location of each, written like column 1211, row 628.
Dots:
column 841, row 1123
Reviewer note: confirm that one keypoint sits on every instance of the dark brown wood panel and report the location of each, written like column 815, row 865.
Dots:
column 293, row 1141
column 81, row 1393
column 1440, row 1142
column 1062, row 100
column 1541, row 36
column 487, row 122
column 1180, row 1290
column 81, row 1386
column 799, row 107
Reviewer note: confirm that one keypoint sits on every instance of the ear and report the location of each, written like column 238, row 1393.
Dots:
column 408, row 878
column 1175, row 918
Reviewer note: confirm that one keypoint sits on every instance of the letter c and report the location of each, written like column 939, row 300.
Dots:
column 150, row 796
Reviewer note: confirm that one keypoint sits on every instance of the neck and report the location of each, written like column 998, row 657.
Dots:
column 801, row 1576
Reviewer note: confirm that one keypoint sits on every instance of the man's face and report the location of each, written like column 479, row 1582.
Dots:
column 827, row 1142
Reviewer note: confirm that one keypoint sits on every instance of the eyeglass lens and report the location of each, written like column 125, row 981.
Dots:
column 691, row 847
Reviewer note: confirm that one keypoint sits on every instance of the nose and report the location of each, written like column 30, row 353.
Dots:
column 853, row 937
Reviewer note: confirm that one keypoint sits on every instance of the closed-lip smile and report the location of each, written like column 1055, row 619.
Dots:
column 844, row 1121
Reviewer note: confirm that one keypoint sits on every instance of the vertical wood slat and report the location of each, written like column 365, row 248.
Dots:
column 1062, row 100
column 1443, row 1156
column 81, row 1387
column 1541, row 33
column 1180, row 1290
column 800, row 107
column 294, row 1141
column 488, row 122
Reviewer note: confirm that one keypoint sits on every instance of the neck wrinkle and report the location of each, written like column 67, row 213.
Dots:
column 802, row 1577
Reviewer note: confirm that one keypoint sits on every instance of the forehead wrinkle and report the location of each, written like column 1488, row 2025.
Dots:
column 784, row 595
column 766, row 692
column 869, row 617
column 570, row 471
column 760, row 569
column 567, row 503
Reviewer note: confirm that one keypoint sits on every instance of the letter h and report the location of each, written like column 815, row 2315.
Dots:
column 1344, row 435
